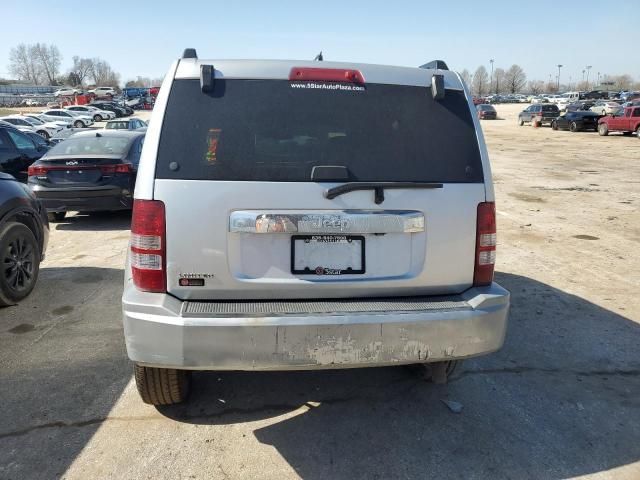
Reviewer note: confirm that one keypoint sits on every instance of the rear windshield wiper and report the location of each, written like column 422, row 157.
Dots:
column 378, row 188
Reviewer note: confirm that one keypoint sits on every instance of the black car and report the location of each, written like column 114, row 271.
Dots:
column 538, row 114
column 112, row 107
column 486, row 112
column 88, row 172
column 24, row 233
column 576, row 121
column 39, row 140
column 17, row 152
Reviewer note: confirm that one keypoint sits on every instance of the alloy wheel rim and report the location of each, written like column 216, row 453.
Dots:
column 18, row 264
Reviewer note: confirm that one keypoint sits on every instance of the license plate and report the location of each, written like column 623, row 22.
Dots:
column 327, row 255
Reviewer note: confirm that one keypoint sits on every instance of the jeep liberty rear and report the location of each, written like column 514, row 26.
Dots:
column 300, row 215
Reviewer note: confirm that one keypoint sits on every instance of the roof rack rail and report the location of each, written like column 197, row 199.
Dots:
column 189, row 53
column 435, row 65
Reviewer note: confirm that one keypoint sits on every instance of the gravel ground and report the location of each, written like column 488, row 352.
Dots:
column 560, row 400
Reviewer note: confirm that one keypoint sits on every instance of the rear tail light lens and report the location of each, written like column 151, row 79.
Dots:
column 119, row 168
column 485, row 244
column 36, row 171
column 148, row 246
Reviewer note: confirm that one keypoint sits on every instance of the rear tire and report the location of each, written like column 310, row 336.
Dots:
column 603, row 130
column 554, row 125
column 55, row 217
column 520, row 122
column 162, row 386
column 438, row 372
column 573, row 126
column 20, row 263
column 638, row 132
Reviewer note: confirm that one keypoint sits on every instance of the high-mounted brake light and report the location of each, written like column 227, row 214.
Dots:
column 326, row 74
column 485, row 244
column 148, row 246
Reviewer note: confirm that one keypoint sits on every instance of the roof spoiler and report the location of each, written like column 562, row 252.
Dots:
column 189, row 53
column 435, row 65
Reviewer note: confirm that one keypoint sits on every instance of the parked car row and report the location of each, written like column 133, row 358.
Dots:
column 603, row 116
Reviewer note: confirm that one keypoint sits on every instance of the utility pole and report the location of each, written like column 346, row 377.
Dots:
column 598, row 78
column 588, row 67
column 559, row 67
column 491, row 77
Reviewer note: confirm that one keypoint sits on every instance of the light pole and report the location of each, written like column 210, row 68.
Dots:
column 588, row 67
column 491, row 77
column 559, row 67
column 598, row 78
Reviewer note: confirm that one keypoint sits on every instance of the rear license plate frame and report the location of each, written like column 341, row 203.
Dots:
column 325, row 271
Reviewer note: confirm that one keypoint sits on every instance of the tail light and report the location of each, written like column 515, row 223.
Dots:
column 119, row 168
column 37, row 171
column 148, row 246
column 485, row 244
column 326, row 74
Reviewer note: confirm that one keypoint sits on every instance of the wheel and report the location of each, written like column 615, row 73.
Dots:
column 43, row 134
column 78, row 124
column 535, row 123
column 554, row 125
column 573, row 126
column 437, row 372
column 20, row 262
column 97, row 118
column 520, row 122
column 162, row 386
column 56, row 216
column 603, row 130
column 638, row 132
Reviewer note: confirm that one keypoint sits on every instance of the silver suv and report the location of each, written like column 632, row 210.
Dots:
column 309, row 215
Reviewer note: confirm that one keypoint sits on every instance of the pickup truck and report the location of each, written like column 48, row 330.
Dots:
column 627, row 122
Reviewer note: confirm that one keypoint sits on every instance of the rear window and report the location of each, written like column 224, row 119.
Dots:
column 117, row 125
column 91, row 146
column 275, row 130
column 550, row 108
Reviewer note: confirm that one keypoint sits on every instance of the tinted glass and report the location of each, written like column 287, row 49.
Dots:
column 21, row 141
column 274, row 130
column 117, row 125
column 92, row 146
column 550, row 108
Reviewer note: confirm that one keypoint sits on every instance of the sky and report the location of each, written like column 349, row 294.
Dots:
column 142, row 38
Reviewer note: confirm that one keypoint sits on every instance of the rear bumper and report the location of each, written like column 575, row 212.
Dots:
column 163, row 331
column 84, row 199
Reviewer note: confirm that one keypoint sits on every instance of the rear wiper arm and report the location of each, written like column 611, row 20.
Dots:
column 377, row 187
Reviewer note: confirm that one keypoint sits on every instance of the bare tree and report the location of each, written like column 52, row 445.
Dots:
column 466, row 77
column 81, row 68
column 499, row 82
column 536, row 87
column 515, row 78
column 49, row 59
column 143, row 82
column 102, row 74
column 622, row 82
column 24, row 65
column 480, row 81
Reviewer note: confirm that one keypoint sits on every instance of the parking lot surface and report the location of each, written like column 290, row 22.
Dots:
column 560, row 400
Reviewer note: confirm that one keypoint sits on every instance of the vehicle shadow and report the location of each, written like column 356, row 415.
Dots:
column 95, row 221
column 559, row 400
column 63, row 366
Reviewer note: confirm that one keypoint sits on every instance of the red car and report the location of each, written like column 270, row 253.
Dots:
column 627, row 122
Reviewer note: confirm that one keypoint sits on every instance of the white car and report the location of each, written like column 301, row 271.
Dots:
column 103, row 92
column 44, row 129
column 66, row 92
column 38, row 118
column 22, row 128
column 292, row 242
column 74, row 118
column 97, row 114
column 606, row 108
